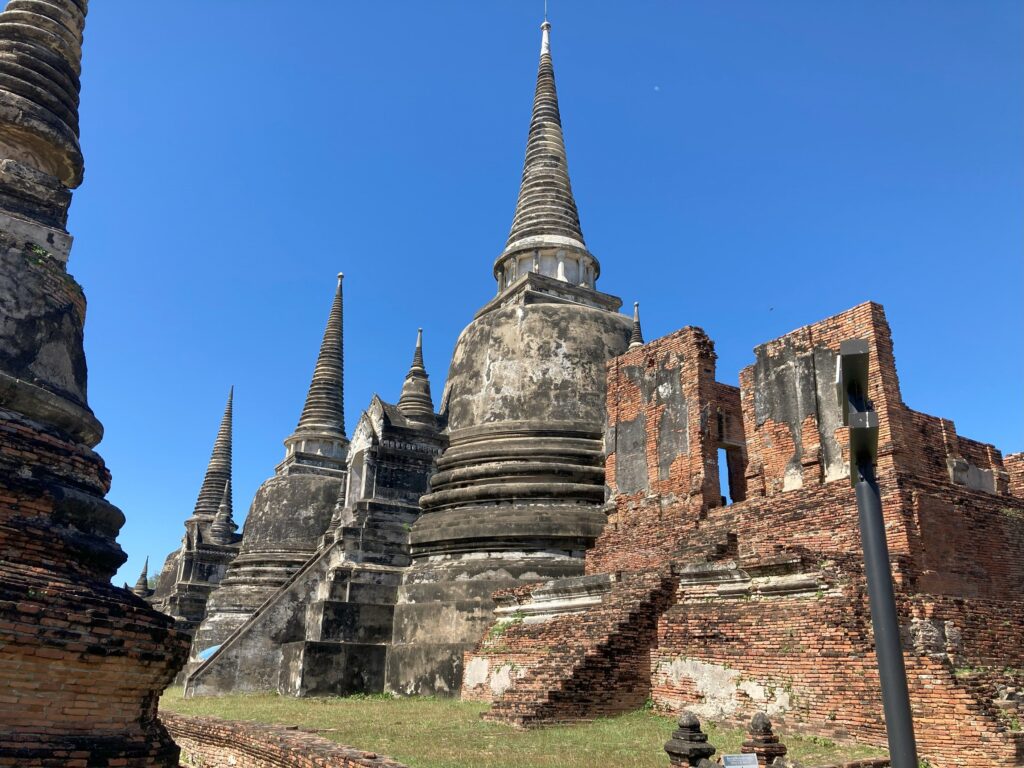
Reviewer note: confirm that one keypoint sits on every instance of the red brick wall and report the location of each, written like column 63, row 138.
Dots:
column 82, row 661
column 679, row 370
column 770, row 611
column 1014, row 465
column 809, row 662
column 209, row 741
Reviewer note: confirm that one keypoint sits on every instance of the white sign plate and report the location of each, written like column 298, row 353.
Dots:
column 748, row 760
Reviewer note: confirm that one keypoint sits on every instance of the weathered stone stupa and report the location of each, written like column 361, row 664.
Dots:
column 518, row 493
column 292, row 509
column 210, row 543
column 328, row 629
column 82, row 661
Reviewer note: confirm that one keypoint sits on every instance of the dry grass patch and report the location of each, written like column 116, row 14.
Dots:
column 445, row 733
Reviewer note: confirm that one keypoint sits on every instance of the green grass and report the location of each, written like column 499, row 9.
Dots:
column 442, row 733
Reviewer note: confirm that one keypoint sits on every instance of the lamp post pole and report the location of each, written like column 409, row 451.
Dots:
column 859, row 416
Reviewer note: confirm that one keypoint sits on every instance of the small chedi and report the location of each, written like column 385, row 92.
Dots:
column 552, row 538
column 210, row 542
column 82, row 662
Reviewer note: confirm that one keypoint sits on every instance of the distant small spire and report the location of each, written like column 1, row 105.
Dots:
column 416, row 403
column 324, row 411
column 636, row 339
column 218, row 471
column 142, row 585
column 222, row 530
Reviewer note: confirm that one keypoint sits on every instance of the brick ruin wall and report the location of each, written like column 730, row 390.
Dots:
column 769, row 611
column 209, row 741
column 1014, row 466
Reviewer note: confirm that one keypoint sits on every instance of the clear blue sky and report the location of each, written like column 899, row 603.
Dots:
column 747, row 167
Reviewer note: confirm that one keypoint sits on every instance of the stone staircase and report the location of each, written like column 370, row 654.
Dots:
column 348, row 625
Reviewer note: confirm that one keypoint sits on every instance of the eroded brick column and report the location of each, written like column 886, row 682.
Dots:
column 82, row 662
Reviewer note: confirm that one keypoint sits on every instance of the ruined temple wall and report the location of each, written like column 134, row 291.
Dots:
column 808, row 657
column 808, row 661
column 209, row 741
column 965, row 544
column 1014, row 466
column 666, row 419
column 771, row 612
column 661, row 465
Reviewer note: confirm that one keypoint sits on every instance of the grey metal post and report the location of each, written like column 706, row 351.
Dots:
column 852, row 387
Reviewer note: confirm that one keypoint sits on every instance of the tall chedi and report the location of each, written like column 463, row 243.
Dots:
column 327, row 631
column 191, row 573
column 292, row 509
column 82, row 661
column 518, row 493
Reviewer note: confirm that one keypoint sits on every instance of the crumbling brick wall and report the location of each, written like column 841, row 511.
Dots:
column 666, row 418
column 778, row 618
column 1014, row 466
column 209, row 741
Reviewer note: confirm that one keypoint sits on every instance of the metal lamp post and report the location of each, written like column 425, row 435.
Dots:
column 860, row 417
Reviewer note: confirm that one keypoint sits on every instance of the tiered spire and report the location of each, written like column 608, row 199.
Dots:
column 141, row 587
column 40, row 62
column 636, row 339
column 222, row 530
column 324, row 411
column 546, row 206
column 416, row 404
column 218, row 472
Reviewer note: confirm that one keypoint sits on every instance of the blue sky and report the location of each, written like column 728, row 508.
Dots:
column 747, row 167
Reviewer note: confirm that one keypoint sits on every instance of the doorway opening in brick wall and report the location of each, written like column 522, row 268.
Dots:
column 730, row 476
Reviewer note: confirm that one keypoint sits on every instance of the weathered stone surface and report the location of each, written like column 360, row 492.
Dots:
column 291, row 510
column 689, row 744
column 82, row 662
column 288, row 516
column 192, row 572
column 328, row 629
column 762, row 741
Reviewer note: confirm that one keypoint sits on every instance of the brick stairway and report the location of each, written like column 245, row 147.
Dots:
column 589, row 663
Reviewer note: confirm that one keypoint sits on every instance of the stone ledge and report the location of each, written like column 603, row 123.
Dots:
column 247, row 744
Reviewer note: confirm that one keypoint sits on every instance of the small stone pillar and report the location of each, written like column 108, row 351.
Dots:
column 762, row 741
column 689, row 744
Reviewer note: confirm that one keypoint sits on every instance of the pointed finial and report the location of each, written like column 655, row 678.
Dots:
column 141, row 587
column 417, row 355
column 416, row 403
column 218, row 471
column 545, row 215
column 636, row 339
column 323, row 412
